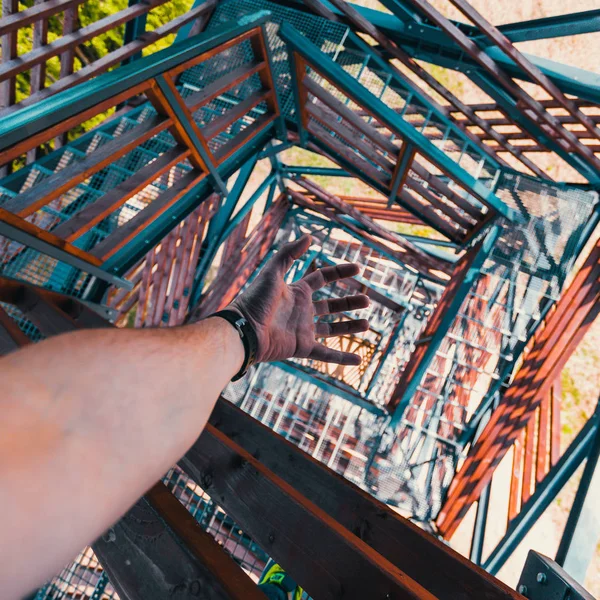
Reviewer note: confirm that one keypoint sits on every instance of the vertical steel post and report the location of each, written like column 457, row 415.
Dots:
column 582, row 531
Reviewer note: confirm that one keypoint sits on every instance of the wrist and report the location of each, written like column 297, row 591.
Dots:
column 230, row 345
column 247, row 335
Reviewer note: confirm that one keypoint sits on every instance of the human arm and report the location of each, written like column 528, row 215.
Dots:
column 91, row 419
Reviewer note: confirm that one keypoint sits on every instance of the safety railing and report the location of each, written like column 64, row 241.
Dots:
column 339, row 110
column 128, row 182
column 66, row 29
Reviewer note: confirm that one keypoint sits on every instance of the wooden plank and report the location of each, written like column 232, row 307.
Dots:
column 516, row 480
column 201, row 225
column 319, row 553
column 140, row 315
column 226, row 150
column 160, row 280
column 112, row 58
column 92, row 214
column 427, row 213
column 191, row 242
column 41, row 311
column 224, row 570
column 223, row 84
column 60, row 182
column 36, row 12
column 64, row 43
column 346, row 152
column 158, row 550
column 116, row 240
column 162, row 316
column 240, row 110
column 9, row 53
column 543, row 443
column 46, row 236
column 528, row 480
column 67, row 62
column 444, row 189
column 28, row 297
column 397, row 539
column 47, row 134
column 460, row 221
column 37, row 75
column 330, row 120
column 555, row 395
column 235, row 41
column 11, row 336
column 340, row 108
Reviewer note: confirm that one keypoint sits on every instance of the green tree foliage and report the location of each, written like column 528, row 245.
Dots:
column 87, row 52
column 89, row 12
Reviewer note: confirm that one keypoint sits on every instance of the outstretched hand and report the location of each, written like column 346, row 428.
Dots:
column 283, row 315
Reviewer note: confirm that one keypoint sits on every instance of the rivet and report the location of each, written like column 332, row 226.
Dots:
column 522, row 589
column 541, row 578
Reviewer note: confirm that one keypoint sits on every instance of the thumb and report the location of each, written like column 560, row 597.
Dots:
column 292, row 251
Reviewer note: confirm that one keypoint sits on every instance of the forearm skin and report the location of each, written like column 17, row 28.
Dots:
column 89, row 421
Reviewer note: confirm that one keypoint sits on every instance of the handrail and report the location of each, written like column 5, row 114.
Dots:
column 333, row 72
column 32, row 120
column 201, row 145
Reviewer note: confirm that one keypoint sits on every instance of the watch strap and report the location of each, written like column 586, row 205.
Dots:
column 247, row 335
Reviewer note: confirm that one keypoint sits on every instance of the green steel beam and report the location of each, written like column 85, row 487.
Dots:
column 391, row 119
column 331, row 387
column 427, row 42
column 187, row 126
column 134, row 30
column 315, row 171
column 550, row 27
column 450, row 313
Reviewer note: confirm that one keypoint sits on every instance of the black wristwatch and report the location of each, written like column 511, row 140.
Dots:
column 247, row 335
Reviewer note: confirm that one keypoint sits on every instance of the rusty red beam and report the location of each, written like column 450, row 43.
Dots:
column 551, row 347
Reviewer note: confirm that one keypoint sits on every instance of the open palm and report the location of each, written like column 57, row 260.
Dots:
column 283, row 315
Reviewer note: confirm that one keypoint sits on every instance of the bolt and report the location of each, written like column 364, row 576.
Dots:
column 271, row 538
column 522, row 589
column 110, row 536
column 541, row 578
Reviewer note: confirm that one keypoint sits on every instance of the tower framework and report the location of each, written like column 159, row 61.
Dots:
column 150, row 194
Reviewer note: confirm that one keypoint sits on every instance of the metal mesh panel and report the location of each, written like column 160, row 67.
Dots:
column 326, row 426
column 327, row 35
column 37, row 268
column 215, row 521
column 25, row 325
